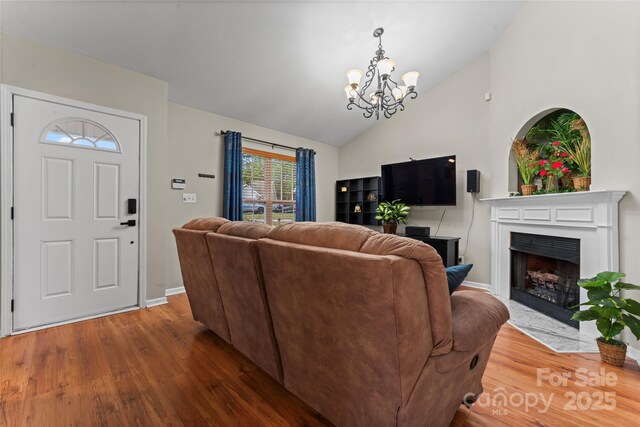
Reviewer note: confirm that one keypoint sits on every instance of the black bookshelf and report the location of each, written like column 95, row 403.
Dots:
column 357, row 200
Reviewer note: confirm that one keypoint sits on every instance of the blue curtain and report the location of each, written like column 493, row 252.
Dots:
column 305, row 184
column 232, row 199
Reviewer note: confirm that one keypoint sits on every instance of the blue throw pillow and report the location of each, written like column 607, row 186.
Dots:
column 456, row 275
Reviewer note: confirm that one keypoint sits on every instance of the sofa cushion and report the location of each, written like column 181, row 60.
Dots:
column 335, row 235
column 456, row 275
column 199, row 280
column 435, row 281
column 238, row 272
column 334, row 318
column 205, row 224
column 246, row 229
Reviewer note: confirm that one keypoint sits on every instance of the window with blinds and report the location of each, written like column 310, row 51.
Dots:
column 268, row 187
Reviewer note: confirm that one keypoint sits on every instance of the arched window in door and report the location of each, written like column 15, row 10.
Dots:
column 80, row 133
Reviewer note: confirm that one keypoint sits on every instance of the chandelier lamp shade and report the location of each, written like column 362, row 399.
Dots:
column 379, row 94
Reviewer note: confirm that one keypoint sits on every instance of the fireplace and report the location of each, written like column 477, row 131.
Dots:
column 544, row 274
column 588, row 216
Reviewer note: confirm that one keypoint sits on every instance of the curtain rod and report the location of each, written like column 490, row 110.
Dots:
column 259, row 141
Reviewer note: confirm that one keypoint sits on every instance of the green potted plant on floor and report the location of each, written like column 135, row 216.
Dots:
column 611, row 312
column 391, row 213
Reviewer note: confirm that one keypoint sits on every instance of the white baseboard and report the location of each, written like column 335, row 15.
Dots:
column 163, row 300
column 156, row 301
column 483, row 286
column 174, row 291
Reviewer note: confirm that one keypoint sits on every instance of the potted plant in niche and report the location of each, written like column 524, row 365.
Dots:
column 552, row 167
column 562, row 138
column 579, row 151
column 391, row 213
column 611, row 312
column 526, row 160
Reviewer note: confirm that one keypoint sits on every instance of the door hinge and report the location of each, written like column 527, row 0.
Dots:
column 12, row 305
column 12, row 119
column 11, row 212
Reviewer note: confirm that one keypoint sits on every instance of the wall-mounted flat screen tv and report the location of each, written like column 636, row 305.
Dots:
column 427, row 182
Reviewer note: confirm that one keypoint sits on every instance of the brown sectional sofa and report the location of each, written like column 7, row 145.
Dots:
column 197, row 273
column 235, row 260
column 358, row 324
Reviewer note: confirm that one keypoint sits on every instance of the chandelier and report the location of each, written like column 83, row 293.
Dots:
column 386, row 95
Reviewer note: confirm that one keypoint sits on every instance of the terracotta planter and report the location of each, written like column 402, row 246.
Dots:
column 389, row 228
column 528, row 189
column 582, row 183
column 611, row 353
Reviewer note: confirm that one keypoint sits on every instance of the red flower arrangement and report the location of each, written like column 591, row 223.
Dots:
column 552, row 167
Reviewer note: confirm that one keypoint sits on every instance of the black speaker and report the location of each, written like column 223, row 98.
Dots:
column 473, row 181
column 416, row 231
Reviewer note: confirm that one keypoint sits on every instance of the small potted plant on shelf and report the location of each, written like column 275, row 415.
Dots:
column 611, row 312
column 391, row 213
column 527, row 161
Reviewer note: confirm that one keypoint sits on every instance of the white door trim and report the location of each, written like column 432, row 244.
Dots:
column 6, row 194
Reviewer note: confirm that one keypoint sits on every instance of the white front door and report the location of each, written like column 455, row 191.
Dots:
column 74, row 171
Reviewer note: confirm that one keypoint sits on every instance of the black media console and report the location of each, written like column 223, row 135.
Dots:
column 447, row 247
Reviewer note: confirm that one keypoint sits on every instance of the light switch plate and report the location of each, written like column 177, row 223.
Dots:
column 189, row 198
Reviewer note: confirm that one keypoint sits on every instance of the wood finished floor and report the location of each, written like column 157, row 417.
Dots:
column 158, row 367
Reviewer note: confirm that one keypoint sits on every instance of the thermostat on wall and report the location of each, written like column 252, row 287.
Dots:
column 178, row 184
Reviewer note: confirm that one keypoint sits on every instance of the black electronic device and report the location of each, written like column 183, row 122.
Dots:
column 473, row 181
column 412, row 230
column 132, row 206
column 427, row 182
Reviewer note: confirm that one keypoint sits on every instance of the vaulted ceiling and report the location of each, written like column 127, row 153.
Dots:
column 276, row 64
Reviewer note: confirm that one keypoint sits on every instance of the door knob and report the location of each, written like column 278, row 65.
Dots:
column 130, row 223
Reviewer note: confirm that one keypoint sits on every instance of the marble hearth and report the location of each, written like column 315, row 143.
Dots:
column 590, row 216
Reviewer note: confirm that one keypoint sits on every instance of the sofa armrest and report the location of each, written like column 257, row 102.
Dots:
column 476, row 320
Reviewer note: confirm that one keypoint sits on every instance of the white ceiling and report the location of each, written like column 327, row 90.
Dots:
column 277, row 64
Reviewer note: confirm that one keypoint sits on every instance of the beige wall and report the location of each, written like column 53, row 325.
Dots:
column 182, row 141
column 195, row 146
column 47, row 69
column 585, row 58
column 578, row 55
column 451, row 118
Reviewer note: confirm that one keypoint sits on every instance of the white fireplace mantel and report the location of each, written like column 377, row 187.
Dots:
column 591, row 216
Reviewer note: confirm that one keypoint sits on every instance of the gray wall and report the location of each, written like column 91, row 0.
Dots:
column 578, row 55
column 195, row 146
column 47, row 69
column 451, row 118
column 182, row 141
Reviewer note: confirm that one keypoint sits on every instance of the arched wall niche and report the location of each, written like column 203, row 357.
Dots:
column 514, row 176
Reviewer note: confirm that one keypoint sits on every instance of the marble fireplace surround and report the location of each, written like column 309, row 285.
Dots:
column 591, row 216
